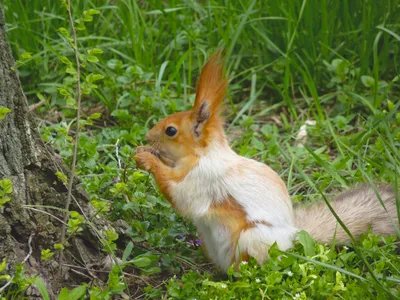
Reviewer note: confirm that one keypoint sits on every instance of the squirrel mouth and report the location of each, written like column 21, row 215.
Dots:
column 162, row 155
column 165, row 159
column 156, row 149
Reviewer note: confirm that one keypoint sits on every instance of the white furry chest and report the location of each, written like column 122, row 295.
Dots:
column 202, row 186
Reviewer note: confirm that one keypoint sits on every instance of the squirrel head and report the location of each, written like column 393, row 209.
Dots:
column 191, row 132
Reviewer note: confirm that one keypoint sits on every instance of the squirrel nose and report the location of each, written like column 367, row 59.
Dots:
column 148, row 136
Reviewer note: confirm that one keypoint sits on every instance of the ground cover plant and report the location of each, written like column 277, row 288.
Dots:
column 314, row 93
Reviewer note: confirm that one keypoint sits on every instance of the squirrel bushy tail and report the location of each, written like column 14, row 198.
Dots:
column 358, row 209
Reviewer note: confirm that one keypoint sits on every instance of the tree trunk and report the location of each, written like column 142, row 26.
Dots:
column 32, row 165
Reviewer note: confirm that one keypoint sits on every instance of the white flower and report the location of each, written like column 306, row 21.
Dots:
column 224, row 286
column 290, row 273
column 297, row 296
column 244, row 262
column 345, row 248
column 258, row 280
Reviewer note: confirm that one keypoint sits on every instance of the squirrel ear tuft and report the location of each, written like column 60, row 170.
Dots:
column 212, row 85
column 202, row 114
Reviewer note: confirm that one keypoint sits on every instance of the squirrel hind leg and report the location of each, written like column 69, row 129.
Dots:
column 256, row 241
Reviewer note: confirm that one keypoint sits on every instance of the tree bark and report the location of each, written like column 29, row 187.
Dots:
column 32, row 165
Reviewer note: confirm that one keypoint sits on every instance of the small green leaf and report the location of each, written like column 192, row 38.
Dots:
column 3, row 265
column 5, row 277
column 62, row 177
column 95, row 116
column 64, row 32
column 390, row 105
column 74, row 214
column 58, row 246
column 3, row 111
column 114, row 64
column 127, row 251
column 42, row 288
column 88, row 14
column 65, row 60
column 138, row 176
column 26, row 56
column 111, row 234
column 93, row 77
column 70, row 101
column 92, row 12
column 80, row 24
column 4, row 200
column 70, row 70
column 64, row 4
column 82, row 57
column 257, row 144
column 6, row 185
column 92, row 59
column 46, row 254
column 153, row 270
column 23, row 58
column 368, row 81
column 240, row 285
column 77, row 293
column 336, row 63
column 86, row 90
column 64, row 92
column 308, row 243
column 64, row 294
column 95, row 51
column 141, row 262
column 41, row 97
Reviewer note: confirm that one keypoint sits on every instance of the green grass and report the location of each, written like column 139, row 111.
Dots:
column 335, row 62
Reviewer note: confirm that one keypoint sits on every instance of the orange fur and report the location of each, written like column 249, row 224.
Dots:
column 266, row 171
column 211, row 88
column 185, row 148
column 212, row 84
column 232, row 215
column 244, row 256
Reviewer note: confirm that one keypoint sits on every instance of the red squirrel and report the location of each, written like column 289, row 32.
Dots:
column 241, row 206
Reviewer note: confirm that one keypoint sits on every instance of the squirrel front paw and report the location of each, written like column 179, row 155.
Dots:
column 145, row 159
column 141, row 149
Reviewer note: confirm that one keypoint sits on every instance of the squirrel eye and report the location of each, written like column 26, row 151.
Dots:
column 171, row 131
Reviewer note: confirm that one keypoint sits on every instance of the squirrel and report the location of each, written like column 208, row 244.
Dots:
column 241, row 206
